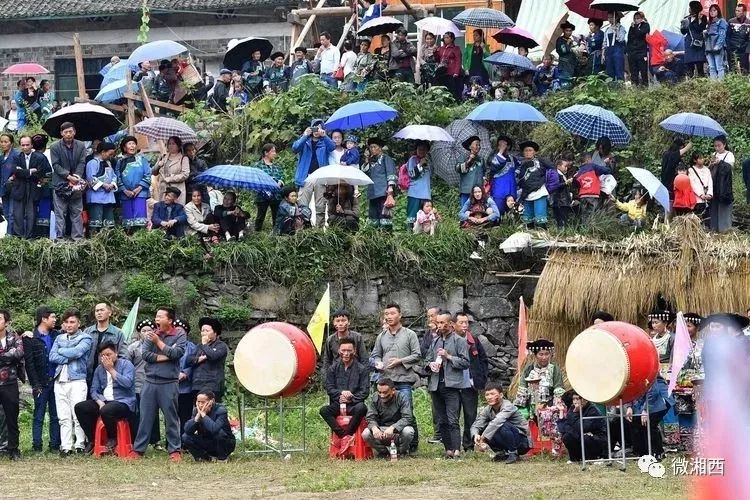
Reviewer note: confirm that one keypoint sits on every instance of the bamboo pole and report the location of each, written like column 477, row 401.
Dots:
column 80, row 73
column 309, row 24
column 347, row 27
column 150, row 114
column 392, row 10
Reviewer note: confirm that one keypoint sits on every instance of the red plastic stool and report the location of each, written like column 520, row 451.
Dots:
column 124, row 442
column 541, row 444
column 360, row 451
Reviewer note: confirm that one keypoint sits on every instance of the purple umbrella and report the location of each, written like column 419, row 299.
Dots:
column 516, row 37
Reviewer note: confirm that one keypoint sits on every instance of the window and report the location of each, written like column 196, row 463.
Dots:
column 66, row 81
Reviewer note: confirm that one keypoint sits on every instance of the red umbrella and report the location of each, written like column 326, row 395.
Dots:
column 26, row 69
column 583, row 9
column 516, row 37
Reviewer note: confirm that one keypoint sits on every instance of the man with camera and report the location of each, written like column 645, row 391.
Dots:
column 312, row 148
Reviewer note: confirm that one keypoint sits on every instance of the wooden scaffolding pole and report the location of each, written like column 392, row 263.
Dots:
column 131, row 104
column 80, row 72
column 308, row 25
column 297, row 15
column 347, row 27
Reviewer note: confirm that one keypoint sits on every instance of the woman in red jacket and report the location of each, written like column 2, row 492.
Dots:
column 449, row 71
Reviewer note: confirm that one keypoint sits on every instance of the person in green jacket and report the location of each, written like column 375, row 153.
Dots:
column 474, row 55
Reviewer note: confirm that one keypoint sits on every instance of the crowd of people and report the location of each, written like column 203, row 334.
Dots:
column 79, row 375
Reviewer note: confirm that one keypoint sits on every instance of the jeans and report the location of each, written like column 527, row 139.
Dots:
column 406, row 389
column 715, row 65
column 403, row 440
column 614, row 59
column 44, row 401
column 469, row 405
column 329, row 80
column 67, row 396
column 509, row 438
column 535, row 211
column 447, row 402
column 8, row 206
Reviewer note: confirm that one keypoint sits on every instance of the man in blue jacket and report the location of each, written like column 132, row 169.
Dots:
column 169, row 215
column 112, row 396
column 208, row 434
column 70, row 352
column 313, row 148
column 162, row 351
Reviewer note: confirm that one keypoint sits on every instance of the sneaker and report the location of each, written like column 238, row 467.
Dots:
column 435, row 440
column 159, row 447
column 347, row 442
column 175, row 457
column 65, row 453
column 475, row 256
column 14, row 455
column 242, row 235
column 512, row 457
column 81, row 451
column 500, row 457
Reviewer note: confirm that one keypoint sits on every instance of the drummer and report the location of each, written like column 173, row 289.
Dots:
column 540, row 387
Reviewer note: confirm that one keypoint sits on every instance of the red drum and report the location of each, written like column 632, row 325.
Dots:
column 612, row 361
column 274, row 359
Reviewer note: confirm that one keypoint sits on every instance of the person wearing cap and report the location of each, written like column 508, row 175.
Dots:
column 209, row 359
column 100, row 196
column 277, row 76
column 351, row 155
column 594, row 45
column 402, row 61
column 637, row 48
column 44, row 204
column 567, row 59
column 503, row 167
column 300, row 66
column 614, row 47
column 312, row 149
column 68, row 169
column 169, row 215
column 134, row 181
column 663, row 338
column 382, row 170
column 29, row 169
column 218, row 99
column 420, row 182
column 532, row 186
column 471, row 171
column 135, row 356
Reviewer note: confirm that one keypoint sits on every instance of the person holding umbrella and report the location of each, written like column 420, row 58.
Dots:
column 264, row 199
column 594, row 45
column 382, row 170
column 472, row 170
column 474, row 56
column 313, row 148
column 568, row 62
column 252, row 74
column 614, row 47
column 420, row 182
column 343, row 207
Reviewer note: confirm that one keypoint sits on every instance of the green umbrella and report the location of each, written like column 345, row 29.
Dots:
column 130, row 321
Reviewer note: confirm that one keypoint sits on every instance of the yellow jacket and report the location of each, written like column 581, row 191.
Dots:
column 634, row 211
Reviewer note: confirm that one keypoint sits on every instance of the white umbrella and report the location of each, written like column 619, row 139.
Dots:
column 424, row 133
column 654, row 187
column 438, row 26
column 335, row 174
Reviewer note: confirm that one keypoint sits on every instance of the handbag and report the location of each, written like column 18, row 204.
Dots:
column 339, row 74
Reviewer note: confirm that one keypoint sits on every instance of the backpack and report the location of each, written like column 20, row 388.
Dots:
column 403, row 178
column 552, row 180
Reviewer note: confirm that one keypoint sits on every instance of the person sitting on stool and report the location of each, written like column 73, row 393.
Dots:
column 389, row 419
column 594, row 431
column 208, row 434
column 112, row 397
column 347, row 383
column 501, row 426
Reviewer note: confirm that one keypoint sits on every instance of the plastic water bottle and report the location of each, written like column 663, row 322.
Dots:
column 342, row 409
column 393, row 451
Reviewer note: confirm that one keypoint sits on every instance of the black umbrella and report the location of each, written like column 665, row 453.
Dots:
column 382, row 25
column 91, row 121
column 239, row 51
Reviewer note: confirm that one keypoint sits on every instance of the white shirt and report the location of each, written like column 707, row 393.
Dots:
column 334, row 157
column 347, row 61
column 27, row 157
column 698, row 176
column 726, row 156
column 3, row 341
column 329, row 60
column 108, row 392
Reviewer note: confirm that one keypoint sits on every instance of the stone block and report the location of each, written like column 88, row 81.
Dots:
column 269, row 298
column 455, row 299
column 363, row 298
column 489, row 347
column 497, row 331
column 411, row 307
column 490, row 307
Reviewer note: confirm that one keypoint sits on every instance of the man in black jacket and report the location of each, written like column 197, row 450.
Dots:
column 738, row 39
column 594, row 431
column 638, row 49
column 347, row 385
column 40, row 372
column 208, row 435
column 209, row 359
column 30, row 168
column 476, row 378
column 11, row 362
column 218, row 99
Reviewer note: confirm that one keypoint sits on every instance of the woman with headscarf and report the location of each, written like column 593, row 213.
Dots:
column 503, row 167
column 134, row 180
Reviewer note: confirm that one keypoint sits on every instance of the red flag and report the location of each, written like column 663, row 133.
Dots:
column 523, row 333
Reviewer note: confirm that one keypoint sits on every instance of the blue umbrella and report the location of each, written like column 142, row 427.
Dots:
column 675, row 41
column 482, row 17
column 360, row 115
column 116, row 72
column 593, row 122
column 115, row 90
column 510, row 59
column 693, row 124
column 152, row 51
column 238, row 177
column 509, row 111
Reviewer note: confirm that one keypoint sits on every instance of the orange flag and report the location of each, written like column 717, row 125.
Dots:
column 523, row 333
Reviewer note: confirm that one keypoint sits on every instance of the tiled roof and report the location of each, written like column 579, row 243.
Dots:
column 25, row 9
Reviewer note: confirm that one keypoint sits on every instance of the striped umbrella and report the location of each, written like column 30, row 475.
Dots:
column 510, row 59
column 693, row 124
column 445, row 155
column 482, row 17
column 238, row 177
column 162, row 128
column 592, row 122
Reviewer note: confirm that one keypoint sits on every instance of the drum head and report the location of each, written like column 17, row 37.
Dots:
column 265, row 361
column 597, row 365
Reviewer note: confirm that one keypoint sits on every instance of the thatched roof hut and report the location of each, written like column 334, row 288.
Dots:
column 691, row 269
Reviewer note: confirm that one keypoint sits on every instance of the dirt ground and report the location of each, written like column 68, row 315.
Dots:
column 315, row 476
